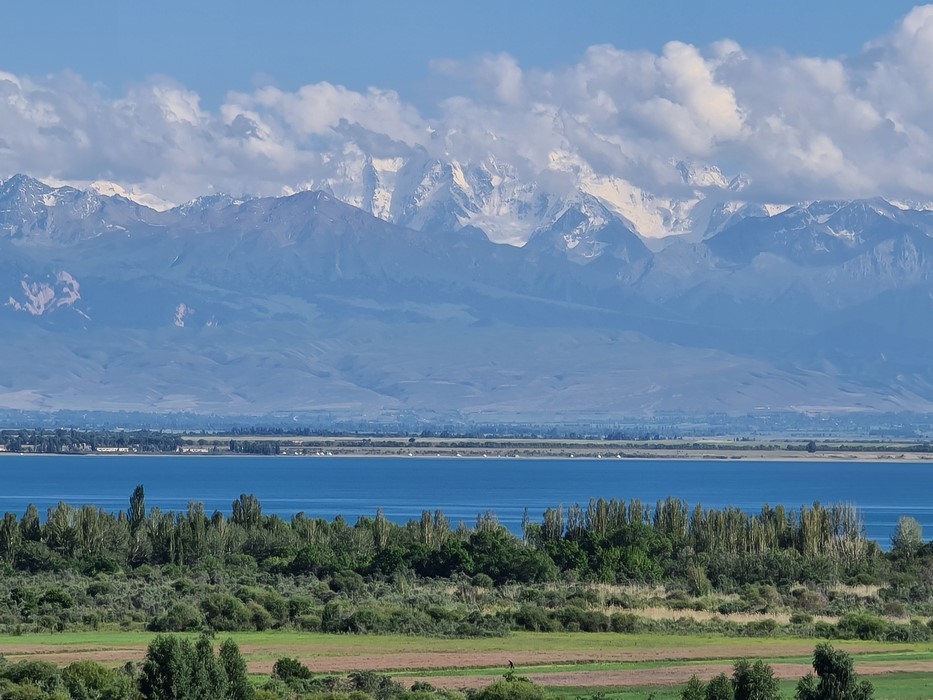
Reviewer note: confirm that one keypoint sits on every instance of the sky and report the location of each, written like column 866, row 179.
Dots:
column 212, row 47
column 806, row 100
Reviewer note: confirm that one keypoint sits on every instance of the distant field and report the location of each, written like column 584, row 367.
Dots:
column 690, row 448
column 570, row 664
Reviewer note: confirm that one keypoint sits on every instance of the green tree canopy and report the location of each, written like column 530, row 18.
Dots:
column 837, row 678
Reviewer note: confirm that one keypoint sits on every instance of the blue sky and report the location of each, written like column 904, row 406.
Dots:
column 803, row 100
column 212, row 47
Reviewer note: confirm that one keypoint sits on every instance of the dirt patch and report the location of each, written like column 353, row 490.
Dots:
column 321, row 659
column 416, row 661
column 63, row 657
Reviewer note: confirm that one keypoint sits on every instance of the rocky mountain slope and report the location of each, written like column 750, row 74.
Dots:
column 403, row 304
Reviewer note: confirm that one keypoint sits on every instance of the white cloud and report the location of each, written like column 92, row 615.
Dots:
column 799, row 127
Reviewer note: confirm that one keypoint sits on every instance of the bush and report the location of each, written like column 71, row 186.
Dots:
column 368, row 620
column 86, row 680
column 627, row 623
column 377, row 685
column 895, row 608
column 40, row 674
column 299, row 605
column 98, row 588
column 347, row 582
column 308, row 623
column 287, row 669
column 225, row 613
column 513, row 688
column 181, row 617
column 259, row 617
column 761, row 628
column 861, row 625
column 533, row 619
column 483, row 581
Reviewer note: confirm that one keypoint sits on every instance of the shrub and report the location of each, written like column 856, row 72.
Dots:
column 98, row 588
column 348, row 582
column 895, row 608
column 628, row 623
column 483, row 581
column 309, row 623
column 761, row 628
column 533, row 619
column 375, row 684
column 259, row 617
column 511, row 689
column 181, row 617
column 225, row 613
column 86, row 680
column 288, row 669
column 861, row 625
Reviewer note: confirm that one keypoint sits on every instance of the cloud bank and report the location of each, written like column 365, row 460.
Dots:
column 798, row 127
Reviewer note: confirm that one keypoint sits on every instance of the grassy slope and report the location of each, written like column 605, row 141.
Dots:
column 335, row 644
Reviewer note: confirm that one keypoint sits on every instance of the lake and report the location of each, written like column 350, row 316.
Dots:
column 462, row 488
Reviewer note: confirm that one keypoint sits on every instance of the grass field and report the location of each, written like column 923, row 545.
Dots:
column 570, row 665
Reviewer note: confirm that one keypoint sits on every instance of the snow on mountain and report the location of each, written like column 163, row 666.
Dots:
column 38, row 298
column 433, row 192
column 112, row 189
column 508, row 201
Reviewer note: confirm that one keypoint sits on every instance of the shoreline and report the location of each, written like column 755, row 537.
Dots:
column 551, row 454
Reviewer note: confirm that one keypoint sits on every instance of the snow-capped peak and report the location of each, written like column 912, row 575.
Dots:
column 106, row 188
column 699, row 175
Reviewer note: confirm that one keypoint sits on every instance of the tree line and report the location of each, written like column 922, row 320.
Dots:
column 606, row 541
column 64, row 441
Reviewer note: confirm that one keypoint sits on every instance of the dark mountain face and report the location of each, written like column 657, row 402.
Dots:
column 304, row 302
column 824, row 233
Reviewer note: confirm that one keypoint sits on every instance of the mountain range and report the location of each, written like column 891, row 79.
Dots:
column 421, row 287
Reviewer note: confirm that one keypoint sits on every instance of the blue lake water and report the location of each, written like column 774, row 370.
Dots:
column 462, row 488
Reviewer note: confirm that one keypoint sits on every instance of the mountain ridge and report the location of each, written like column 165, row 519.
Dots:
column 305, row 302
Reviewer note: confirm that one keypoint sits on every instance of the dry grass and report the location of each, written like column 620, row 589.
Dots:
column 864, row 591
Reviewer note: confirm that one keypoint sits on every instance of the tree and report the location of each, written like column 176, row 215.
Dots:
column 166, row 673
column 694, row 690
column 176, row 669
column 136, row 517
column 87, row 680
column 11, row 538
column 247, row 511
column 30, row 524
column 234, row 666
column 837, row 678
column 208, row 679
column 719, row 688
column 754, row 681
column 136, row 514
column 907, row 537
